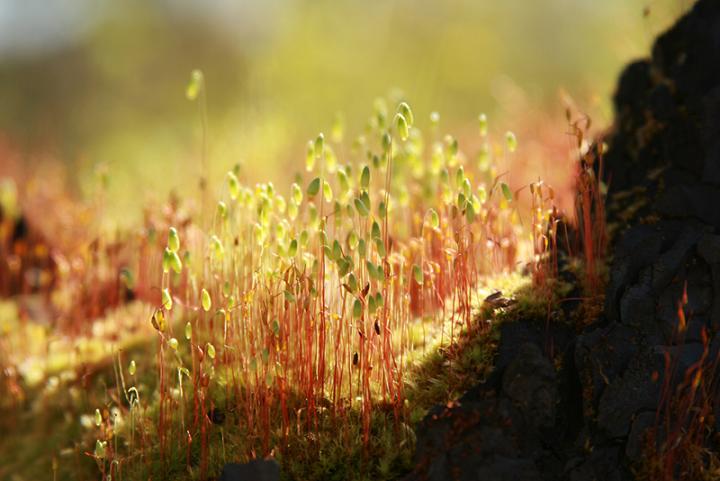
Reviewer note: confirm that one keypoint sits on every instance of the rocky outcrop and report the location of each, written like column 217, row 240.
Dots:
column 589, row 420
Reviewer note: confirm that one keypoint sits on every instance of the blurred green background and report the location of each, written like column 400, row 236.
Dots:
column 90, row 82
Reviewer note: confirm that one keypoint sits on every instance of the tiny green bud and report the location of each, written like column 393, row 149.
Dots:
column 434, row 219
column 466, row 187
column 173, row 260
column 310, row 156
column 337, row 128
column 98, row 417
column 404, row 109
column 217, row 248
column 210, row 350
column 362, row 248
column 352, row 240
column 313, row 187
column 386, row 142
column 352, row 282
column 319, row 145
column 188, row 331
column 402, row 126
column 173, row 343
column 361, row 207
column 327, row 191
column 482, row 194
column 167, row 301
column 365, row 178
column 205, row 300
column 483, row 124
column 195, row 85
column 375, row 230
column 343, row 181
column 452, row 145
column 100, row 449
column 469, row 212
column 233, row 185
column 511, row 141
column 459, row 176
column 293, row 211
column 357, row 309
column 417, row 274
column 292, row 248
column 173, row 240
column 506, row 191
column 222, row 209
column 166, row 260
column 296, row 192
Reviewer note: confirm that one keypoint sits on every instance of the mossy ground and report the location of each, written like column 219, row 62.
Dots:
column 50, row 433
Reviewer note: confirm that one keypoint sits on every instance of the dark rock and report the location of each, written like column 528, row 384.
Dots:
column 529, row 381
column 255, row 470
column 549, row 337
column 638, row 248
column 637, row 304
column 601, row 356
column 666, row 266
column 709, row 248
column 637, row 438
column 697, row 201
column 471, row 440
column 689, row 53
column 500, row 467
column 715, row 309
column 634, row 79
column 635, row 391
column 603, row 464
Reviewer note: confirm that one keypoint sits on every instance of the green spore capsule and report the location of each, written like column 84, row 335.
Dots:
column 402, row 126
column 327, row 192
column 222, row 210
column 175, row 262
column 418, row 274
column 205, row 300
column 167, row 301
column 357, row 309
column 310, row 156
column 195, row 85
column 292, row 248
column 217, row 248
column 511, row 141
column 365, row 178
column 296, row 193
column 313, row 187
column 434, row 218
column 173, row 240
column 319, row 146
column 233, row 185
column 406, row 112
column 507, row 193
column 483, row 125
